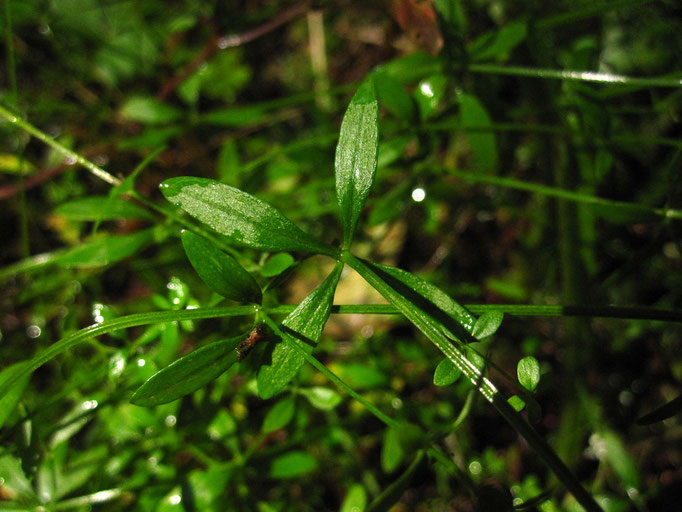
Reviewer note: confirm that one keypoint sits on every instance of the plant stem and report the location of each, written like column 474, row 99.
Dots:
column 70, row 155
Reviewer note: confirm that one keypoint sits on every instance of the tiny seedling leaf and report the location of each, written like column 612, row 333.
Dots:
column 446, row 373
column 487, row 324
column 188, row 373
column 302, row 327
column 245, row 219
column 356, row 157
column 280, row 414
column 277, row 264
column 220, row 271
column 528, row 372
column 322, row 398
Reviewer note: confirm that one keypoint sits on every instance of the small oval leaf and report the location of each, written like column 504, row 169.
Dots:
column 188, row 373
column 446, row 373
column 280, row 414
column 292, row 465
column 516, row 402
column 356, row 157
column 322, row 398
column 487, row 324
column 220, row 271
column 277, row 264
column 528, row 372
column 245, row 219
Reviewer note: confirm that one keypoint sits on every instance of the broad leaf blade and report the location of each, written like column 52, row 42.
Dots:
column 356, row 157
column 188, row 373
column 246, row 220
column 302, row 327
column 220, row 271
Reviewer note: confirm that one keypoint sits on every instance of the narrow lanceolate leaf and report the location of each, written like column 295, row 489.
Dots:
column 406, row 300
column 188, row 373
column 356, row 157
column 248, row 221
column 302, row 327
column 9, row 401
column 455, row 320
column 220, row 271
column 105, row 250
column 102, row 208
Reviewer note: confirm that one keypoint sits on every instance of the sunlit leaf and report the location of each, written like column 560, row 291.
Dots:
column 446, row 373
column 188, row 373
column 356, row 157
column 322, row 398
column 528, row 372
column 302, row 327
column 487, row 324
column 220, row 271
column 246, row 220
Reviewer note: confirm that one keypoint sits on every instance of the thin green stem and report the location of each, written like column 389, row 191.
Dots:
column 124, row 322
column 9, row 52
column 575, row 76
column 546, row 190
column 72, row 156
column 331, row 375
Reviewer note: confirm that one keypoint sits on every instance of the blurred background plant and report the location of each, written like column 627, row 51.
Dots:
column 507, row 175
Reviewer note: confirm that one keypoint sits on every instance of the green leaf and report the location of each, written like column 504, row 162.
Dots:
column 392, row 453
column 149, row 110
column 455, row 320
column 220, row 271
column 355, row 500
column 246, row 220
column 483, row 144
column 446, row 373
column 106, row 249
column 429, row 95
column 302, row 327
column 356, row 157
column 394, row 97
column 277, row 264
column 517, row 402
column 487, row 324
column 292, row 465
column 497, row 44
column 9, row 401
column 528, row 372
column 280, row 414
column 97, row 208
column 322, row 398
column 188, row 373
column 362, row 376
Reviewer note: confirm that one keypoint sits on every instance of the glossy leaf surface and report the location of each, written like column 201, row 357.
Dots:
column 220, row 271
column 356, row 157
column 302, row 327
column 528, row 372
column 487, row 324
column 446, row 373
column 188, row 373
column 245, row 219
